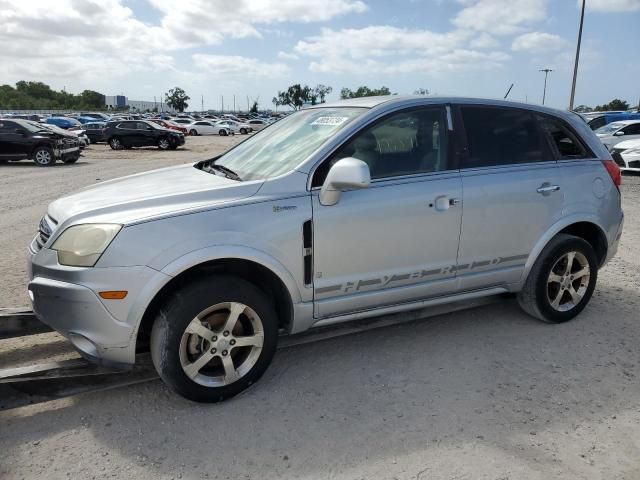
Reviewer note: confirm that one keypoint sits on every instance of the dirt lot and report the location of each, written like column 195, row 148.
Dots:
column 486, row 393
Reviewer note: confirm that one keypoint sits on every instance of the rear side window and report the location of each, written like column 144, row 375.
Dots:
column 502, row 136
column 563, row 140
column 633, row 129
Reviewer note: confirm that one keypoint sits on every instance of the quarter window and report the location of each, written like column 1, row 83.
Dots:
column 633, row 129
column 502, row 136
column 564, row 141
column 404, row 143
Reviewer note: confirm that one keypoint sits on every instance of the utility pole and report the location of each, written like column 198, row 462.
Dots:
column 234, row 103
column 544, row 92
column 575, row 66
column 222, row 103
column 202, row 104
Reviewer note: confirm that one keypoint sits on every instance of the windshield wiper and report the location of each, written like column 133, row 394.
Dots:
column 226, row 171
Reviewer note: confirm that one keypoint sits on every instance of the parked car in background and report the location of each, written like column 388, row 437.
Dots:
column 170, row 125
column 63, row 122
column 257, row 124
column 204, row 127
column 96, row 116
column 141, row 133
column 235, row 127
column 605, row 118
column 94, row 130
column 627, row 155
column 81, row 132
column 182, row 121
column 212, row 263
column 616, row 132
column 24, row 139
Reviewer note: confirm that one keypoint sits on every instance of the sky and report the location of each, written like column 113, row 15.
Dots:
column 253, row 48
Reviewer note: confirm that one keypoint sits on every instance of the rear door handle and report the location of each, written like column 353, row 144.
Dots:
column 546, row 188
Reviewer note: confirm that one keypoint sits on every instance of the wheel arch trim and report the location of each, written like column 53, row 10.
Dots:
column 556, row 228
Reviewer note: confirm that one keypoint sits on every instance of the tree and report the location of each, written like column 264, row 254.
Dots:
column 295, row 96
column 421, row 91
column 276, row 102
column 320, row 92
column 363, row 91
column 582, row 109
column 92, row 100
column 254, row 107
column 615, row 104
column 177, row 99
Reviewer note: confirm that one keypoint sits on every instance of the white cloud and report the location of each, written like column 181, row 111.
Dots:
column 484, row 40
column 499, row 17
column 612, row 5
column 287, row 56
column 233, row 65
column 387, row 49
column 538, row 42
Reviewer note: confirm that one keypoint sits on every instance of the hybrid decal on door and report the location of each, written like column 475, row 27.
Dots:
column 386, row 280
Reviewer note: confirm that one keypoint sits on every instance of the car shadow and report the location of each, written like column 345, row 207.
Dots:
column 489, row 384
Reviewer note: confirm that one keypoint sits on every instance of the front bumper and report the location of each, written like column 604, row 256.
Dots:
column 66, row 299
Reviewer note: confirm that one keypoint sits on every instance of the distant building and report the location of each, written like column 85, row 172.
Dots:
column 122, row 102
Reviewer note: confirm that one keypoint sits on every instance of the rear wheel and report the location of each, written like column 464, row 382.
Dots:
column 43, row 157
column 222, row 133
column 561, row 281
column 193, row 132
column 243, row 131
column 115, row 143
column 163, row 143
column 214, row 338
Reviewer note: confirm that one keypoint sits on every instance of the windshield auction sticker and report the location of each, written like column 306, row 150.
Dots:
column 331, row 121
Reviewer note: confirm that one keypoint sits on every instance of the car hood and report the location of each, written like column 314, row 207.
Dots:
column 627, row 144
column 150, row 194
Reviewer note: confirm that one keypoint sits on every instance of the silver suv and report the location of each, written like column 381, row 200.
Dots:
column 337, row 212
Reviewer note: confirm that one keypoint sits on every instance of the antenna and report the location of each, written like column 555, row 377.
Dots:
column 507, row 94
column 546, row 73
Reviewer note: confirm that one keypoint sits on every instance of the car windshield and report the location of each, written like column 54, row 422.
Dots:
column 284, row 145
column 611, row 128
column 33, row 127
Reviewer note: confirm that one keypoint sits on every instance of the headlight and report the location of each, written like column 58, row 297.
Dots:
column 82, row 245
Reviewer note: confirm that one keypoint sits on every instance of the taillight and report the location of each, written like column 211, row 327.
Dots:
column 614, row 172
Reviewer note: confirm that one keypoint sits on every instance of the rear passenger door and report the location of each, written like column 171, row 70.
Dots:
column 512, row 193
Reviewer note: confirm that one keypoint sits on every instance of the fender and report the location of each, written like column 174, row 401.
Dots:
column 553, row 231
column 218, row 252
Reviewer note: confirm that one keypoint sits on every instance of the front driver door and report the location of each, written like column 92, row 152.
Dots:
column 397, row 240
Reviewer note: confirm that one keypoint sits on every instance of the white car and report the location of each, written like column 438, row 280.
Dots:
column 236, row 127
column 257, row 124
column 627, row 155
column 204, row 127
column 616, row 132
column 182, row 121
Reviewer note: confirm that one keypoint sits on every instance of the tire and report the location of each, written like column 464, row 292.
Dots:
column 208, row 302
column 115, row 143
column 43, row 157
column 193, row 132
column 70, row 159
column 243, row 131
column 174, row 146
column 554, row 293
column 223, row 133
column 163, row 143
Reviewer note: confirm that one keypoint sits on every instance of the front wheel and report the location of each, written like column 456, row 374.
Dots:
column 561, row 281
column 243, row 131
column 70, row 160
column 43, row 157
column 193, row 132
column 214, row 338
column 222, row 133
column 164, row 144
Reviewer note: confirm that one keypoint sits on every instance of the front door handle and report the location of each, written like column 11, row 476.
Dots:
column 546, row 188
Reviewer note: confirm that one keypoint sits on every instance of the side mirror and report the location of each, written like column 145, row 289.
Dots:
column 619, row 133
column 347, row 174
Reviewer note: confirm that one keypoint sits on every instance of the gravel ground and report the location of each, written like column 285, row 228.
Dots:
column 481, row 394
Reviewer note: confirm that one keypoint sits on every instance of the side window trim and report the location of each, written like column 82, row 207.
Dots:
column 448, row 133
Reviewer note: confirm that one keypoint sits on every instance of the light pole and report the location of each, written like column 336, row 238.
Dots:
column 544, row 92
column 575, row 66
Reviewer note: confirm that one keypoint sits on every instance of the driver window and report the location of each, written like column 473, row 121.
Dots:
column 403, row 143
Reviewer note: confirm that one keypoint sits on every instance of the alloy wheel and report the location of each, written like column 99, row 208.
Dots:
column 43, row 157
column 568, row 281
column 221, row 344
